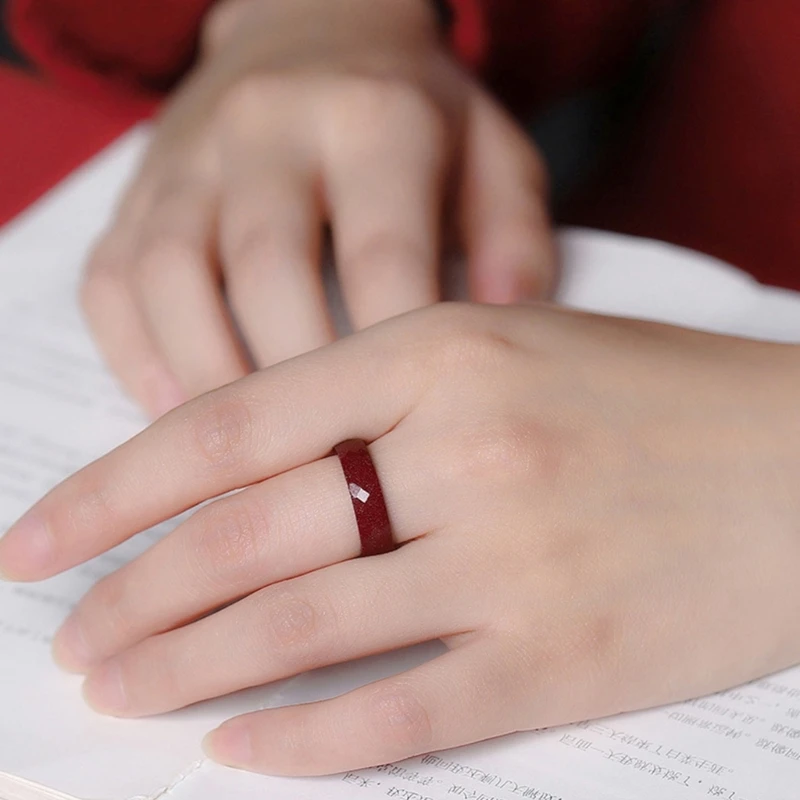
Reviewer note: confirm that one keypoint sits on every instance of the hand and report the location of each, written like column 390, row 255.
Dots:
column 596, row 515
column 302, row 113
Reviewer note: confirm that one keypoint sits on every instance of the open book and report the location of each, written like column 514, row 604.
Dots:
column 59, row 409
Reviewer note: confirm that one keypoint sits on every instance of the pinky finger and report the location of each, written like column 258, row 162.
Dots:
column 461, row 697
column 504, row 218
column 122, row 334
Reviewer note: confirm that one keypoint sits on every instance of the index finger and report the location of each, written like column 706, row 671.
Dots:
column 246, row 432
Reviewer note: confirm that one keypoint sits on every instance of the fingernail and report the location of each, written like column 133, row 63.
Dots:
column 104, row 690
column 26, row 550
column 71, row 651
column 230, row 744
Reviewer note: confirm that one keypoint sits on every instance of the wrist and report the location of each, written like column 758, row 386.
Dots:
column 309, row 21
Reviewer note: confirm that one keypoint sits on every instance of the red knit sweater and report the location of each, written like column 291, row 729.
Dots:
column 713, row 162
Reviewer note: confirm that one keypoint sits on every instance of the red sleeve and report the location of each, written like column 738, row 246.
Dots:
column 52, row 134
column 533, row 51
column 115, row 49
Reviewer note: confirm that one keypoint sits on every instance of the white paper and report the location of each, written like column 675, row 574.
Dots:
column 59, row 409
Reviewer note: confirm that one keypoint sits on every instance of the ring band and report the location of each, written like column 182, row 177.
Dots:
column 372, row 517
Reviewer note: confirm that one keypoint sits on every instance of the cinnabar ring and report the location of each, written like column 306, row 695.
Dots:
column 369, row 506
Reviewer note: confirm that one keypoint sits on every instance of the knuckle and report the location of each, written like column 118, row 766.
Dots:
column 230, row 543
column 298, row 628
column 600, row 646
column 399, row 718
column 600, row 638
column 258, row 256
column 364, row 103
column 107, row 611
column 224, row 432
column 167, row 256
column 101, row 282
column 385, row 254
column 395, row 95
column 248, row 102
column 503, row 449
column 450, row 321
column 444, row 341
column 570, row 558
column 88, row 511
column 157, row 673
column 249, row 256
column 140, row 195
column 465, row 341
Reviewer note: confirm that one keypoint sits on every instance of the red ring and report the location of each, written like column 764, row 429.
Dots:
column 369, row 506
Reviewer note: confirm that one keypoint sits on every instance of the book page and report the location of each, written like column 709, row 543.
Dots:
column 60, row 409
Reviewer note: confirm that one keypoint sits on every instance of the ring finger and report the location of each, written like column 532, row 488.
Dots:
column 293, row 524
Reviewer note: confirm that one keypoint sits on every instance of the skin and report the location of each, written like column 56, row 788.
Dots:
column 595, row 515
column 303, row 114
